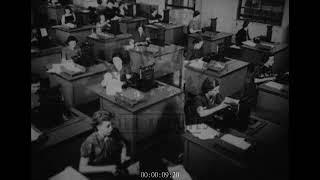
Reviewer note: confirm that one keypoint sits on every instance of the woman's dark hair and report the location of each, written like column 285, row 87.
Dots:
column 68, row 7
column 99, row 2
column 196, row 13
column 245, row 24
column 208, row 85
column 139, row 25
column 100, row 116
column 71, row 38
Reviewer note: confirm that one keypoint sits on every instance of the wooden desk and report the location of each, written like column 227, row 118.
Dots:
column 80, row 33
column 162, row 109
column 231, row 79
column 41, row 58
column 74, row 88
column 167, row 33
column 259, row 56
column 74, row 127
column 167, row 59
column 268, row 159
column 128, row 24
column 273, row 105
column 210, row 40
column 55, row 13
column 106, row 47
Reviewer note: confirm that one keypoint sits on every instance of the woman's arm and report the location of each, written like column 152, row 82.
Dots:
column 203, row 112
column 63, row 20
column 74, row 18
column 84, row 167
column 63, row 55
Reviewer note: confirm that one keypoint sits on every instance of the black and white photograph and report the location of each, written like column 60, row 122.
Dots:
column 159, row 89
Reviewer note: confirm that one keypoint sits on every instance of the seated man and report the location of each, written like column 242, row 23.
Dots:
column 209, row 103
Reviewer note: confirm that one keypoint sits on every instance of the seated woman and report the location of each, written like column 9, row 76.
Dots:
column 243, row 34
column 100, row 8
column 104, row 153
column 69, row 18
column 123, row 9
column 102, row 25
column 154, row 17
column 110, row 11
column 140, row 37
column 119, row 75
column 34, row 37
column 104, row 150
column 195, row 23
column 71, row 49
column 210, row 102
column 197, row 50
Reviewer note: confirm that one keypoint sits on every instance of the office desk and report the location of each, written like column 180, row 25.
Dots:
column 165, row 33
column 81, row 123
column 210, row 40
column 41, row 58
column 162, row 109
column 231, row 79
column 128, row 24
column 268, row 158
column 167, row 59
column 80, row 33
column 273, row 105
column 106, row 47
column 74, row 88
column 259, row 56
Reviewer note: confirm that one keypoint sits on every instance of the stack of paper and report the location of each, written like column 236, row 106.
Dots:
column 236, row 141
column 198, row 64
column 249, row 43
column 275, row 85
column 202, row 131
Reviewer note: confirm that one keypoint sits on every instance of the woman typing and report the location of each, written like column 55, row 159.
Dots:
column 71, row 49
column 102, row 24
column 69, row 18
column 140, row 37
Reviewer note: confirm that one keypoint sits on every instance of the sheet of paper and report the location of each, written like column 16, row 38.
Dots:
column 235, row 47
column 275, row 85
column 69, row 174
column 267, row 44
column 249, row 43
column 260, row 80
column 198, row 64
column 202, row 131
column 236, row 141
column 43, row 32
column 34, row 135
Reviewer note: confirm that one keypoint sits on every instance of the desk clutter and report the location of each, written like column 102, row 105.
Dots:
column 68, row 67
column 205, row 132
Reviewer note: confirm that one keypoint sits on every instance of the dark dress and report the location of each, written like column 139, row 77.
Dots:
column 69, row 19
column 241, row 36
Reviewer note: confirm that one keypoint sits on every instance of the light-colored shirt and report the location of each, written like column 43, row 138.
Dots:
column 195, row 24
column 68, row 53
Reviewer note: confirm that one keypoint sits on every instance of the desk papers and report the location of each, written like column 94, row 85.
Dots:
column 275, row 85
column 198, row 64
column 236, row 141
column 69, row 174
column 249, row 43
column 202, row 131
column 235, row 47
column 34, row 135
